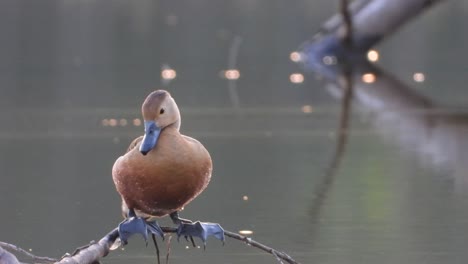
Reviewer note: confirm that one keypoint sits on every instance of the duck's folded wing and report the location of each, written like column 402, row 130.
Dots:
column 135, row 143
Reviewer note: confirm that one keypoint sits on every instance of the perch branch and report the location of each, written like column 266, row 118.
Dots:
column 7, row 258
column 95, row 251
column 25, row 252
column 247, row 240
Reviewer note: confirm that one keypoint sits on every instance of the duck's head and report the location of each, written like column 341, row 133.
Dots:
column 159, row 111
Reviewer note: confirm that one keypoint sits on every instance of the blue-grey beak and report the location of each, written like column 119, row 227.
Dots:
column 151, row 137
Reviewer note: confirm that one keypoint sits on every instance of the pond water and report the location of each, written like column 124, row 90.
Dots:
column 73, row 75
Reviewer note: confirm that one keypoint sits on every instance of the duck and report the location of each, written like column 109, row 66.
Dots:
column 161, row 172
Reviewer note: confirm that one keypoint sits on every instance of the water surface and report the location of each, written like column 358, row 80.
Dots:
column 68, row 67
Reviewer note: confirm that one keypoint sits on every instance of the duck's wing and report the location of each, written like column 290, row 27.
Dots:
column 134, row 143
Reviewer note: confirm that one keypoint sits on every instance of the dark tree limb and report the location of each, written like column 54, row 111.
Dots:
column 337, row 20
column 345, row 80
column 348, row 24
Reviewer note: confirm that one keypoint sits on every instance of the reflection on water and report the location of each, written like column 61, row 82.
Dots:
column 436, row 136
column 73, row 74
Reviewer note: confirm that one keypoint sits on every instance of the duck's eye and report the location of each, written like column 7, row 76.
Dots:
column 161, row 111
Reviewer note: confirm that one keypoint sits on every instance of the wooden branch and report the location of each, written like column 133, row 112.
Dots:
column 95, row 251
column 247, row 240
column 7, row 258
column 92, row 253
column 24, row 252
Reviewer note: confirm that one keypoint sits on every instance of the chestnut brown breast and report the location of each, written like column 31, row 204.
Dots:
column 167, row 178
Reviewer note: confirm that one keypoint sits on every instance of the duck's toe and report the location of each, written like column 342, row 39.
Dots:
column 130, row 226
column 154, row 228
column 137, row 225
column 202, row 230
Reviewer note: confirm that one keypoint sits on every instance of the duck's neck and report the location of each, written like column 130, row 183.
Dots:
column 175, row 125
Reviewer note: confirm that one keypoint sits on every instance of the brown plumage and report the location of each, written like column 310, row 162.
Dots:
column 175, row 171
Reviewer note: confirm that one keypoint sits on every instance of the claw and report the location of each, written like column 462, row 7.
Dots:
column 130, row 226
column 154, row 228
column 137, row 225
column 201, row 230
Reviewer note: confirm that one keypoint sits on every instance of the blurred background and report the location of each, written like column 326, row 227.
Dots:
column 73, row 75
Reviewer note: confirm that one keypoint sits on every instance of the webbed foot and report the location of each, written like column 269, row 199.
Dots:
column 199, row 229
column 202, row 230
column 137, row 225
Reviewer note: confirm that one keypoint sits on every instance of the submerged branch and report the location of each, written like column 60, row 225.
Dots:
column 345, row 80
column 348, row 24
